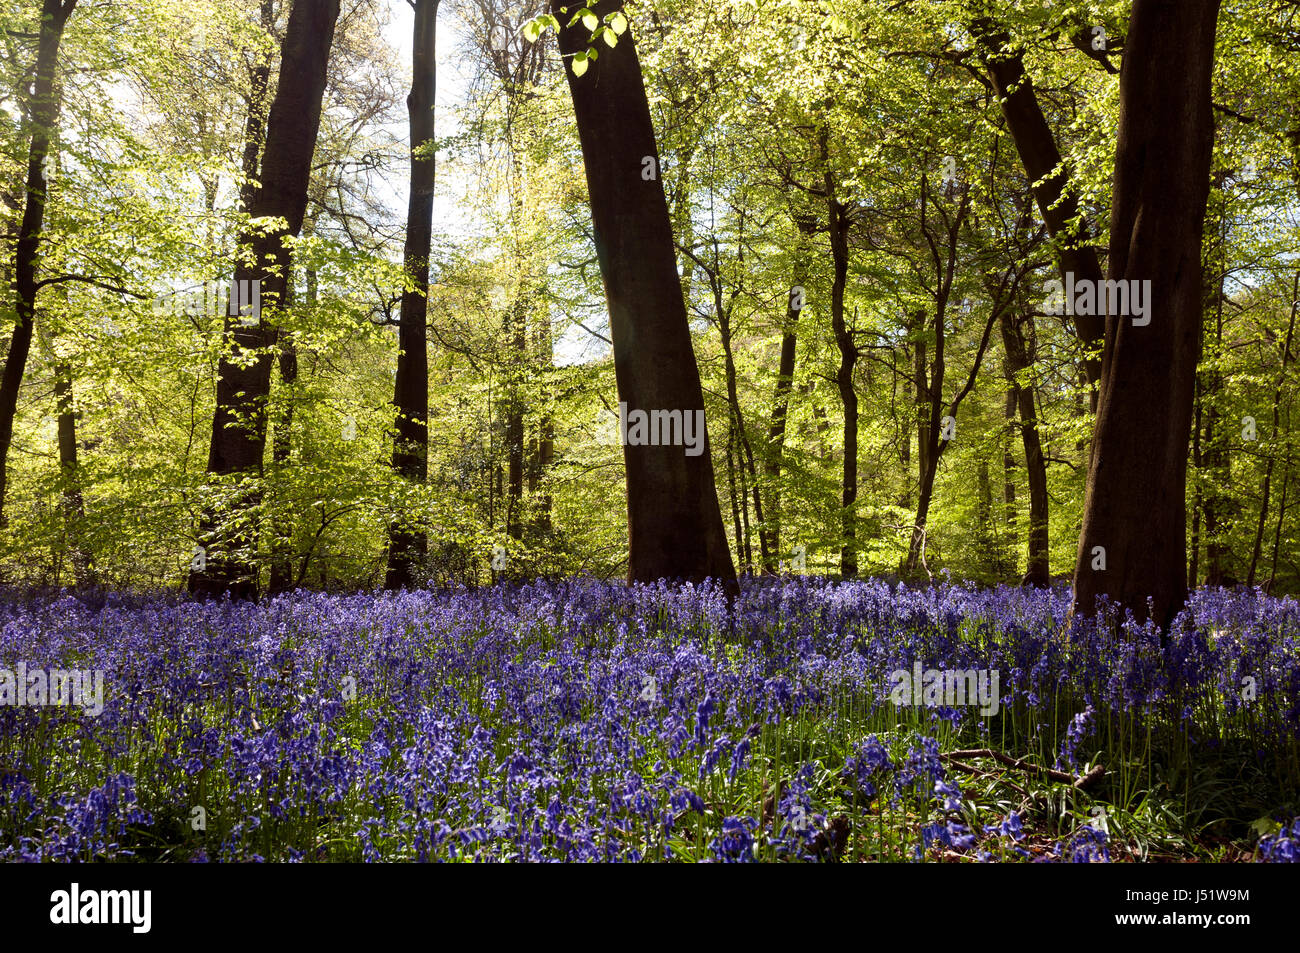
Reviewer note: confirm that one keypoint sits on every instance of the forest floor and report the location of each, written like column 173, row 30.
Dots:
column 579, row 720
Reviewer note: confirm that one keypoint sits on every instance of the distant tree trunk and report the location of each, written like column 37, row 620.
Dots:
column 1277, row 414
column 1281, row 518
column 1215, row 499
column 674, row 524
column 282, row 555
column 739, row 438
column 770, row 532
column 929, row 386
column 1010, row 408
column 1194, row 545
column 282, row 550
column 1041, row 159
column 543, row 456
column 516, row 327
column 43, row 110
column 1135, row 507
column 244, row 376
column 837, row 225
column 1018, row 361
column 74, row 508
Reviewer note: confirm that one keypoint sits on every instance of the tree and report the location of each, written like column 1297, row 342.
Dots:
column 674, row 524
column 407, row 546
column 1132, row 547
column 275, row 218
column 43, row 111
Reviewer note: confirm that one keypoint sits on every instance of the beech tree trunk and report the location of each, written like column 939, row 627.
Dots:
column 238, row 443
column 407, row 546
column 675, row 527
column 1134, row 521
column 43, row 108
column 1041, row 159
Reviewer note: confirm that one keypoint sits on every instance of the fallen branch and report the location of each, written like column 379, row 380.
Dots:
column 1020, row 764
column 970, row 769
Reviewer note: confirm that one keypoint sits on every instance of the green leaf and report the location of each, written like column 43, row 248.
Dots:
column 608, row 35
column 532, row 30
column 579, row 64
column 590, row 20
column 617, row 23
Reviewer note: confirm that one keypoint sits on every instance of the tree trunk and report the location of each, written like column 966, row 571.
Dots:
column 674, row 523
column 771, row 531
column 407, row 546
column 1215, row 501
column 43, row 108
column 1018, row 360
column 244, row 376
column 1134, row 521
column 1041, row 159
column 1277, row 420
column 1010, row 407
column 838, row 228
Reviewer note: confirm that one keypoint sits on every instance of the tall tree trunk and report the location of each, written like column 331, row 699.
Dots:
column 43, row 108
column 1135, row 507
column 1018, row 360
column 407, row 546
column 244, row 375
column 838, row 229
column 674, row 523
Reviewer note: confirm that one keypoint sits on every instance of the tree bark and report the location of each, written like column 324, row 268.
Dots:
column 43, row 108
column 1135, row 505
column 244, row 375
column 674, row 524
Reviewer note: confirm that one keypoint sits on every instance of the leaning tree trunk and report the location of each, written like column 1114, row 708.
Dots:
column 43, row 108
column 244, row 375
column 1133, row 544
column 406, row 545
column 674, row 524
column 1041, row 159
